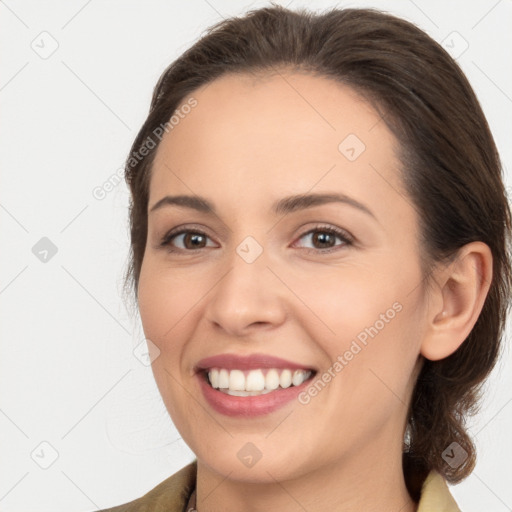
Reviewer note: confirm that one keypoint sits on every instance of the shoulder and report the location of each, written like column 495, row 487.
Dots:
column 171, row 495
column 436, row 496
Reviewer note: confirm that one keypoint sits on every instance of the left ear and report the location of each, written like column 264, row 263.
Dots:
column 460, row 296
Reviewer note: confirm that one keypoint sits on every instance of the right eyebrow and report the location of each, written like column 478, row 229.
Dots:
column 195, row 202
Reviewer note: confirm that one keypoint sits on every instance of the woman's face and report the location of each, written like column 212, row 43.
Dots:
column 244, row 277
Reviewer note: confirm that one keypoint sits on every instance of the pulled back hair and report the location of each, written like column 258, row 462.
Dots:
column 450, row 168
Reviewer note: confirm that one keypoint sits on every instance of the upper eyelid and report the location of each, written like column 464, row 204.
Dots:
column 185, row 229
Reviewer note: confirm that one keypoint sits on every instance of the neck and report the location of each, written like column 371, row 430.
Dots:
column 370, row 480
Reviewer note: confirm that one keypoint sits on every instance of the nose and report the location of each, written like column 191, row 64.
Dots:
column 248, row 297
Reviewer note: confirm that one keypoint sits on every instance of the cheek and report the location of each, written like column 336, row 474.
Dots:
column 369, row 327
column 163, row 305
column 343, row 302
column 165, row 300
column 373, row 361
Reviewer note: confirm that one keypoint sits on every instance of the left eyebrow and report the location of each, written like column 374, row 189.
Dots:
column 302, row 201
column 280, row 207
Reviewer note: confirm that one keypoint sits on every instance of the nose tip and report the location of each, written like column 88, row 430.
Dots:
column 248, row 296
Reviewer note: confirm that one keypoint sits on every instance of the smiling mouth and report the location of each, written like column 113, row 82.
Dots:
column 259, row 381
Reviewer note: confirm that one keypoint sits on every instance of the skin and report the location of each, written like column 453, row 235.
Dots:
column 249, row 142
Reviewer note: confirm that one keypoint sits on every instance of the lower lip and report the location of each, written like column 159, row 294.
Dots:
column 249, row 406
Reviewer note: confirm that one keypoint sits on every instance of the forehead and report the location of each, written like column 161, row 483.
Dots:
column 288, row 132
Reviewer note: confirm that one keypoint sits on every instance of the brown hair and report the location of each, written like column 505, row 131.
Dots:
column 451, row 170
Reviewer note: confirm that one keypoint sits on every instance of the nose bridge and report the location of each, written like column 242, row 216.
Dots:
column 248, row 293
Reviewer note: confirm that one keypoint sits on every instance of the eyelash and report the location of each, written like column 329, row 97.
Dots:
column 341, row 234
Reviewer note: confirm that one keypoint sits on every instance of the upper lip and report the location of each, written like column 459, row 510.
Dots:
column 247, row 362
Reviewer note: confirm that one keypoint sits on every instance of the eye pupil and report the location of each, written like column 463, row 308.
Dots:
column 322, row 238
column 194, row 239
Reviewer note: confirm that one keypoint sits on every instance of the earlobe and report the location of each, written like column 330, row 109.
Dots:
column 462, row 289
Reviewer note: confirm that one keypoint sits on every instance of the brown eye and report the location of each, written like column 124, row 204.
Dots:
column 193, row 240
column 185, row 240
column 323, row 239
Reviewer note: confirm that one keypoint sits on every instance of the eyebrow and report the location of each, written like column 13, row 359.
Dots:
column 283, row 206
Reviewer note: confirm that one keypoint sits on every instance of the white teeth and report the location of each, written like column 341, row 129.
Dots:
column 246, row 393
column 272, row 379
column 255, row 382
column 285, row 381
column 214, row 377
column 223, row 379
column 298, row 377
column 236, row 380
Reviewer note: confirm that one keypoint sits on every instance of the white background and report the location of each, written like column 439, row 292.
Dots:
column 69, row 378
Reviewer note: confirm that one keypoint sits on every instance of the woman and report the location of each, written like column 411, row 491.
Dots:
column 320, row 252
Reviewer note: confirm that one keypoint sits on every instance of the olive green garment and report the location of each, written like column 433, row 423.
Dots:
column 173, row 493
